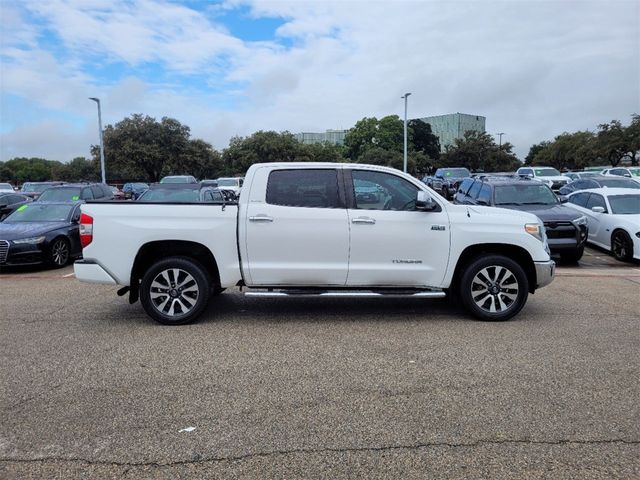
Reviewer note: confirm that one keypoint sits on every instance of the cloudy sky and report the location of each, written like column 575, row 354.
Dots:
column 533, row 68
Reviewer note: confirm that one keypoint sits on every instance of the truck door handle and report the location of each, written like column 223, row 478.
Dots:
column 368, row 220
column 261, row 218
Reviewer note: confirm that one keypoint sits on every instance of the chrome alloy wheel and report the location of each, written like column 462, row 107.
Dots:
column 60, row 253
column 494, row 289
column 174, row 292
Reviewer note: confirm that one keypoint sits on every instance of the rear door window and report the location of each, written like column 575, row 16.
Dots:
column 97, row 191
column 310, row 188
column 485, row 195
column 86, row 194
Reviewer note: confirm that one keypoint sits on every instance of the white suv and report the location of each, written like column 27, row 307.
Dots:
column 548, row 175
column 629, row 172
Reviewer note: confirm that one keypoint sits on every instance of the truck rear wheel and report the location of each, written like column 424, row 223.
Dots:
column 494, row 288
column 175, row 290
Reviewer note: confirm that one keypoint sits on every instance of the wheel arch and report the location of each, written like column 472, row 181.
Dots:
column 514, row 252
column 151, row 252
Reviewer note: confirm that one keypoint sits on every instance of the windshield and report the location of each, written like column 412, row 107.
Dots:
column 622, row 183
column 528, row 194
column 455, row 172
column 35, row 187
column 547, row 172
column 60, row 194
column 176, row 180
column 168, row 196
column 624, row 204
column 40, row 212
column 227, row 182
column 5, row 186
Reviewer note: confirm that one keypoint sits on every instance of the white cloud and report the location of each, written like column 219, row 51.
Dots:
column 534, row 69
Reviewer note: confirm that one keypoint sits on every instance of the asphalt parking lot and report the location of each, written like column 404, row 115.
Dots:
column 318, row 388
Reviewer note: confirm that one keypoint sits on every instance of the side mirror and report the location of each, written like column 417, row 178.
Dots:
column 425, row 202
column 563, row 199
column 597, row 209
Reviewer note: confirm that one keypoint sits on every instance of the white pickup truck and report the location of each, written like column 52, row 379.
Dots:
column 316, row 229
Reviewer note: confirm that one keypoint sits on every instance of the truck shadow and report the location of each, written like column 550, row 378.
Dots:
column 234, row 306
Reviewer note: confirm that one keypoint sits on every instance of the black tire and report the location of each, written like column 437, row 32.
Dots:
column 505, row 285
column 622, row 246
column 572, row 256
column 59, row 252
column 175, row 301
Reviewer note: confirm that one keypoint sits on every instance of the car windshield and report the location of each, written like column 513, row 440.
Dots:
column 624, row 204
column 547, row 172
column 5, row 186
column 528, row 194
column 176, row 180
column 60, row 194
column 227, row 182
column 621, row 183
column 456, row 172
column 170, row 195
column 35, row 187
column 40, row 212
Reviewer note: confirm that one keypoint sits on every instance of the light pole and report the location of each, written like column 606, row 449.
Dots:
column 104, row 177
column 405, row 96
column 500, row 135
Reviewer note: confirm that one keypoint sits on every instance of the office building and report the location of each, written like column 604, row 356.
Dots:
column 452, row 126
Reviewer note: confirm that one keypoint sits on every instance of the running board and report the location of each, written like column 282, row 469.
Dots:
column 360, row 294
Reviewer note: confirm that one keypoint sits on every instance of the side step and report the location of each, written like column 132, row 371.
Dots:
column 348, row 293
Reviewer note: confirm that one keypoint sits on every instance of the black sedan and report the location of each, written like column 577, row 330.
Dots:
column 41, row 233
column 9, row 202
column 598, row 181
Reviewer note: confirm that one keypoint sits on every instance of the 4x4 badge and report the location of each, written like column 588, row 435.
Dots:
column 438, row 227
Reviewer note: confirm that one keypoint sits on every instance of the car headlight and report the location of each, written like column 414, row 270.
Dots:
column 580, row 221
column 536, row 230
column 30, row 240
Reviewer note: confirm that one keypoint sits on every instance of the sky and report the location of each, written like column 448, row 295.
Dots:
column 533, row 68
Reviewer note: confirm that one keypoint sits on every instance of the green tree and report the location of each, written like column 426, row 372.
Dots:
column 200, row 159
column 535, row 150
column 141, row 148
column 615, row 141
column 422, row 139
column 478, row 151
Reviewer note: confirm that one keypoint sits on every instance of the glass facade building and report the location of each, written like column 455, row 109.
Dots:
column 452, row 126
column 336, row 137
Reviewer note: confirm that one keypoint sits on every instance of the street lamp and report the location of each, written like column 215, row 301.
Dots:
column 500, row 135
column 97, row 100
column 405, row 96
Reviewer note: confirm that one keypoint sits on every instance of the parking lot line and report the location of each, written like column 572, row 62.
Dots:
column 68, row 275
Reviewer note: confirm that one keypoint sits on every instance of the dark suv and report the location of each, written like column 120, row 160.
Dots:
column 566, row 229
column 447, row 180
column 72, row 192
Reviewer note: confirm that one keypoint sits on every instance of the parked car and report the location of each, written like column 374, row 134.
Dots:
column 72, row 192
column 6, row 188
column 449, row 180
column 179, row 179
column 566, row 229
column 41, row 233
column 548, row 175
column 299, row 229
column 181, row 193
column 598, row 181
column 578, row 175
column 9, row 202
column 629, row 172
column 134, row 190
column 233, row 184
column 34, row 189
column 613, row 216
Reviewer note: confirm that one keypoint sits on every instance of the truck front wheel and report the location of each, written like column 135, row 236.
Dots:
column 175, row 290
column 494, row 288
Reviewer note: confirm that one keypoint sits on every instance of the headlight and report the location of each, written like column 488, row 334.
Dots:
column 30, row 240
column 536, row 230
column 580, row 221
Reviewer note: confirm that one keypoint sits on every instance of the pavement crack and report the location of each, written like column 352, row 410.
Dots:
column 295, row 451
